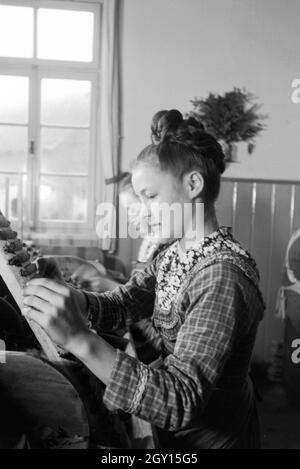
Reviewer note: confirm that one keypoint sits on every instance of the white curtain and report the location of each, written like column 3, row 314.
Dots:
column 110, row 112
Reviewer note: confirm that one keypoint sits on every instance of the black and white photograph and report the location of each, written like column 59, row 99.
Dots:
column 149, row 227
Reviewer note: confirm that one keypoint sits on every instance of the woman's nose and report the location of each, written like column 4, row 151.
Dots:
column 145, row 210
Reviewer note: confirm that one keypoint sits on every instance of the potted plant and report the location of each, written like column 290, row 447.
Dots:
column 232, row 117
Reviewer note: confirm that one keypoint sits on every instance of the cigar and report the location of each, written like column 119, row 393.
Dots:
column 4, row 223
column 28, row 270
column 13, row 246
column 6, row 234
column 19, row 258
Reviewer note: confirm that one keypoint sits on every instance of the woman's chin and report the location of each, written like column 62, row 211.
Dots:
column 160, row 239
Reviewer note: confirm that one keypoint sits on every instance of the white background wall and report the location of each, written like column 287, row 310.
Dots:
column 175, row 50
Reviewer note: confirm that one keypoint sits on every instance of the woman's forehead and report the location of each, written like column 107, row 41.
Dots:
column 146, row 176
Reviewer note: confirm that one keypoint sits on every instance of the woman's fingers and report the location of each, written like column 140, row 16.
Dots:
column 59, row 295
column 38, row 304
column 34, row 315
column 51, row 285
column 84, row 273
column 45, row 294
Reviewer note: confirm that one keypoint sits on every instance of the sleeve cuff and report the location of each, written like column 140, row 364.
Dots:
column 98, row 317
column 127, row 384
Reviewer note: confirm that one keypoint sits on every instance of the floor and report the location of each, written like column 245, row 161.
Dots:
column 280, row 422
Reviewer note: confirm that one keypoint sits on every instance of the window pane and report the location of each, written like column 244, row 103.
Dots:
column 14, row 99
column 65, row 102
column 13, row 144
column 16, row 31
column 64, row 150
column 63, row 198
column 12, row 194
column 65, row 35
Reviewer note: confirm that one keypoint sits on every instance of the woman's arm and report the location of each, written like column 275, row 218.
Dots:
column 126, row 304
column 172, row 397
column 108, row 311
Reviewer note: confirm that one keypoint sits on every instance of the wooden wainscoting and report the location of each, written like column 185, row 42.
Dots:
column 263, row 215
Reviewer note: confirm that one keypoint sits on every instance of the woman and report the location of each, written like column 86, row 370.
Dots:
column 201, row 292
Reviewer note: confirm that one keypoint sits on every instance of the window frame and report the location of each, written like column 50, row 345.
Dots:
column 37, row 69
column 95, row 7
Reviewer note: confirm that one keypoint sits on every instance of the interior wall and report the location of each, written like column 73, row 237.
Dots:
column 175, row 50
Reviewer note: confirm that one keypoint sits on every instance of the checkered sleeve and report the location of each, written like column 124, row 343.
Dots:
column 172, row 397
column 126, row 304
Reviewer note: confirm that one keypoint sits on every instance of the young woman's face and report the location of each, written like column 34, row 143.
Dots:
column 163, row 198
column 130, row 202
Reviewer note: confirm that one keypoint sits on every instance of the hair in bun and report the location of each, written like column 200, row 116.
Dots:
column 165, row 124
column 171, row 127
column 182, row 145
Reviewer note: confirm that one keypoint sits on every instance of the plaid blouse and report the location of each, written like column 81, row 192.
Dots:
column 207, row 324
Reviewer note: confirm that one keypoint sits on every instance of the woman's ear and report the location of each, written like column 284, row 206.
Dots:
column 194, row 184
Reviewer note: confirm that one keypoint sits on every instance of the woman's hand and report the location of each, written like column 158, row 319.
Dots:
column 87, row 277
column 59, row 309
column 48, row 267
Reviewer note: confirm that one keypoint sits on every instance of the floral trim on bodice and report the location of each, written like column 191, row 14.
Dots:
column 175, row 266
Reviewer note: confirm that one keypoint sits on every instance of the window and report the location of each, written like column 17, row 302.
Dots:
column 49, row 99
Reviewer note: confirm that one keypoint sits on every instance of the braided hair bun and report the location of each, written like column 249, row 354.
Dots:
column 169, row 127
